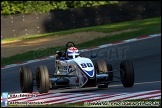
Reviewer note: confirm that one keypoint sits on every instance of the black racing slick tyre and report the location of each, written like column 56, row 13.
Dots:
column 127, row 73
column 42, row 79
column 101, row 67
column 26, row 79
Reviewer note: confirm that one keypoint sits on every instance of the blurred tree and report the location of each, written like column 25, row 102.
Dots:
column 16, row 7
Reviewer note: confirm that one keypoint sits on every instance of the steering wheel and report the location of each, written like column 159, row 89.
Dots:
column 73, row 45
column 67, row 45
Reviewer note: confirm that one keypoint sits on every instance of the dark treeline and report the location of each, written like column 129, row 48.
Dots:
column 25, row 7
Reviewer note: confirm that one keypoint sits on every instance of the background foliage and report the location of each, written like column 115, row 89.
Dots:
column 25, row 7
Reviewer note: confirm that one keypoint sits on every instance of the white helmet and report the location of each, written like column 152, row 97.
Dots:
column 72, row 53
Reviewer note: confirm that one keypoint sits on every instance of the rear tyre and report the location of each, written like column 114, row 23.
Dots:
column 127, row 73
column 101, row 67
column 42, row 79
column 26, row 79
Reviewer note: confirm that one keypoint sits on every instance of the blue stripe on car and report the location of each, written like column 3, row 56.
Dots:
column 90, row 72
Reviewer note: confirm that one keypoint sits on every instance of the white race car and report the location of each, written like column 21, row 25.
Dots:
column 72, row 70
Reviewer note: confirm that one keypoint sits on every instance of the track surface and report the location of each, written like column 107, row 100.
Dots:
column 145, row 54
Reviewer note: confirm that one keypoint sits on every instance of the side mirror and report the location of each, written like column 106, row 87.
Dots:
column 93, row 55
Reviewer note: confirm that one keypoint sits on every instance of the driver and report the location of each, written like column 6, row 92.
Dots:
column 72, row 53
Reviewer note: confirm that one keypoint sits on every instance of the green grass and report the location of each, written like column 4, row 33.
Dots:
column 153, row 102
column 103, row 28
column 146, row 27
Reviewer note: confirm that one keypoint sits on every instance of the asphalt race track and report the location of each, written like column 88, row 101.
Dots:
column 145, row 54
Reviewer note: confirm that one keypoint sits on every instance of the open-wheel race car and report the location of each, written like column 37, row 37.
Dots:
column 72, row 70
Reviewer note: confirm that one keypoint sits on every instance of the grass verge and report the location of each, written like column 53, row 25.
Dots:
column 102, row 28
column 147, row 27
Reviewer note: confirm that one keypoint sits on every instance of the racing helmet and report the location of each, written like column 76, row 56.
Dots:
column 72, row 53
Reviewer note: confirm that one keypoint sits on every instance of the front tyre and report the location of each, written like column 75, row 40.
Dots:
column 127, row 73
column 101, row 67
column 42, row 79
